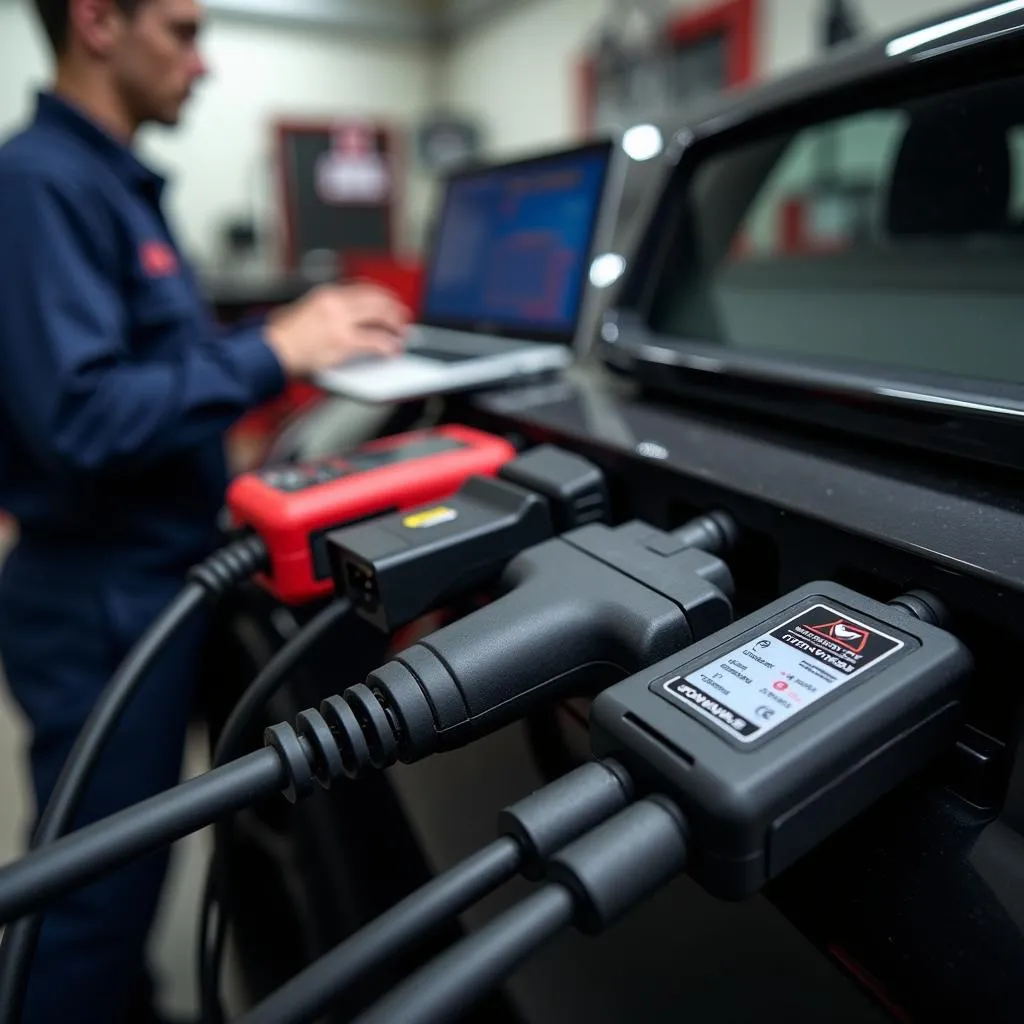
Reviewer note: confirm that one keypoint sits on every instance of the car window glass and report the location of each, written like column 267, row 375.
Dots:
column 891, row 236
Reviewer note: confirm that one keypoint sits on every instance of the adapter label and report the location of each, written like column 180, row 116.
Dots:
column 773, row 677
column 431, row 517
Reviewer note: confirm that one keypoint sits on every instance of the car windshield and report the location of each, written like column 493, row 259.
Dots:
column 893, row 237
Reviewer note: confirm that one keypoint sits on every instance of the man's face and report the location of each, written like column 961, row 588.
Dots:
column 156, row 60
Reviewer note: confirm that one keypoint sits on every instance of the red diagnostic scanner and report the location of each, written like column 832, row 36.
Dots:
column 293, row 507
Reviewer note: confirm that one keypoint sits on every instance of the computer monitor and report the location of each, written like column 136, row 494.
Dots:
column 513, row 246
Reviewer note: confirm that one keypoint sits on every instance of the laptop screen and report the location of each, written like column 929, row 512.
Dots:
column 513, row 246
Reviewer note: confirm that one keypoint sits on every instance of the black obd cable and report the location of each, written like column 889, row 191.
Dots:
column 207, row 581
column 574, row 613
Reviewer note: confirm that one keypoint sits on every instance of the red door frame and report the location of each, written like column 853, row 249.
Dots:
column 737, row 18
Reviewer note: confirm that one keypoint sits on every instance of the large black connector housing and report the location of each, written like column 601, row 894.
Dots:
column 776, row 731
column 399, row 567
column 570, row 616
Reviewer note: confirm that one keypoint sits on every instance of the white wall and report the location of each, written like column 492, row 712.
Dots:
column 518, row 73
column 220, row 158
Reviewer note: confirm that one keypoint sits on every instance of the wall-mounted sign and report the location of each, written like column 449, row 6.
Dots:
column 354, row 169
column 338, row 186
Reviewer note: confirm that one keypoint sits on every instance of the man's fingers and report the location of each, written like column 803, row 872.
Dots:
column 374, row 340
column 378, row 305
column 382, row 323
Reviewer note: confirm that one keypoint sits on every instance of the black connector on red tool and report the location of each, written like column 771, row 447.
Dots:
column 292, row 508
column 402, row 566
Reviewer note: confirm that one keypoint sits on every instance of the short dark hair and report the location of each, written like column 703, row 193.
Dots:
column 56, row 16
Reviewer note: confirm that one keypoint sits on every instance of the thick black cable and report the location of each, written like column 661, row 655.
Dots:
column 19, row 941
column 232, row 738
column 535, row 828
column 593, row 882
column 46, row 874
column 231, row 745
column 211, row 578
column 454, row 981
column 309, row 994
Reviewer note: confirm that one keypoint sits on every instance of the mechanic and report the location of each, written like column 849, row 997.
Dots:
column 115, row 395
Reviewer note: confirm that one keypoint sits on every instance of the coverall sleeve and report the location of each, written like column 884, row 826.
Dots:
column 77, row 392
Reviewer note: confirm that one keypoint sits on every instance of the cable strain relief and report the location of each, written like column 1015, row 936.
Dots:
column 622, row 774
column 348, row 737
column 546, row 821
column 231, row 565
column 328, row 765
column 619, row 864
column 377, row 727
column 296, row 760
column 924, row 606
column 716, row 532
column 401, row 694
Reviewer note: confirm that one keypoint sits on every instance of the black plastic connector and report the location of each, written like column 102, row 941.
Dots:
column 574, row 489
column 574, row 615
column 402, row 566
column 399, row 567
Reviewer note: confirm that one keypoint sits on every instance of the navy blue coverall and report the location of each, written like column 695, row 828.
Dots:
column 115, row 393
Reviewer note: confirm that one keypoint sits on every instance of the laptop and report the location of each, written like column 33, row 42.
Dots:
column 505, row 282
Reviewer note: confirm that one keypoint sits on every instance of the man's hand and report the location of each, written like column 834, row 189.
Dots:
column 335, row 323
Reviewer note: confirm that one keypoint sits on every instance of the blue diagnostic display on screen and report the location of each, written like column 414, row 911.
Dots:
column 514, row 242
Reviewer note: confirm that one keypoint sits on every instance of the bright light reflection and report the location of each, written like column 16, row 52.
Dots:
column 913, row 40
column 643, row 142
column 607, row 269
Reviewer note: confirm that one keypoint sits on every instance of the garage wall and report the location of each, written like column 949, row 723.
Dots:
column 517, row 74
column 219, row 159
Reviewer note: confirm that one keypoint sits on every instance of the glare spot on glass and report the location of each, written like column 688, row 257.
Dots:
column 912, row 40
column 610, row 332
column 643, row 142
column 650, row 450
column 607, row 269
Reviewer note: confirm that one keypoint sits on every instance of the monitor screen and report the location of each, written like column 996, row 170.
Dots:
column 513, row 245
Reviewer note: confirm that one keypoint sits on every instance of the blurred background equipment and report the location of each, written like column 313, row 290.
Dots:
column 446, row 143
column 842, row 22
column 649, row 59
column 647, row 64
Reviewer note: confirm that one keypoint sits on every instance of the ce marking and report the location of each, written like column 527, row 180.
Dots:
column 765, row 714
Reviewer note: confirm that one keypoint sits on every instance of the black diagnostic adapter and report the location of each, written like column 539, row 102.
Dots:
column 776, row 731
column 570, row 616
column 399, row 567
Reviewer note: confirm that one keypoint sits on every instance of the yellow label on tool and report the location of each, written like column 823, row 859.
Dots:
column 432, row 517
